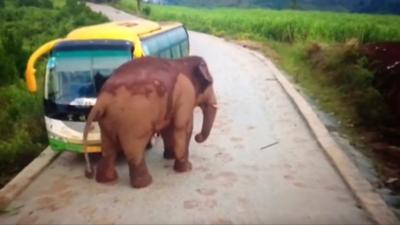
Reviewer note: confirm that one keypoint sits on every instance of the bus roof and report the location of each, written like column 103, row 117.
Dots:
column 121, row 30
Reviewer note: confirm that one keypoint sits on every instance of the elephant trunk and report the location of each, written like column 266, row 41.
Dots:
column 209, row 113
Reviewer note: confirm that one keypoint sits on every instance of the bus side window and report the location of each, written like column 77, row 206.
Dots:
column 150, row 47
column 172, row 44
column 175, row 39
column 176, row 52
column 185, row 48
column 182, row 36
column 164, row 45
column 166, row 54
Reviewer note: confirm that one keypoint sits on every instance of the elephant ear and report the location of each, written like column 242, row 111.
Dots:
column 203, row 76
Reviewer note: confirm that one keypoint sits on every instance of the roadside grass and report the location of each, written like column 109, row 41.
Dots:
column 23, row 29
column 58, row 3
column 127, row 5
column 283, row 25
column 337, row 79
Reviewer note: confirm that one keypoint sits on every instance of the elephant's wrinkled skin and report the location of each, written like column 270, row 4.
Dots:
column 147, row 96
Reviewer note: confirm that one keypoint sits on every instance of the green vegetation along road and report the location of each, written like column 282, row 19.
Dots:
column 24, row 26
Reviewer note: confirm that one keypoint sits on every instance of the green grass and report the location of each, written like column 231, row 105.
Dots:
column 58, row 3
column 127, row 5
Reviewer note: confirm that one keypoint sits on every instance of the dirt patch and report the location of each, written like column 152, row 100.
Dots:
column 236, row 139
column 226, row 179
column 206, row 191
column 384, row 60
column 190, row 204
column 224, row 157
column 200, row 204
column 222, row 221
column 54, row 202
column 30, row 219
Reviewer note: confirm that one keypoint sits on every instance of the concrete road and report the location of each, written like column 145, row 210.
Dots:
column 235, row 179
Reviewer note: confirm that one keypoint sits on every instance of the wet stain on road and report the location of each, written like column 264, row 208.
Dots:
column 210, row 203
column 224, row 157
column 201, row 205
column 201, row 169
column 250, row 167
column 227, row 179
column 288, row 177
column 29, row 219
column 222, row 221
column 243, row 201
column 88, row 212
column 299, row 184
column 54, row 202
column 190, row 204
column 236, row 139
column 251, row 127
column 206, row 191
column 238, row 147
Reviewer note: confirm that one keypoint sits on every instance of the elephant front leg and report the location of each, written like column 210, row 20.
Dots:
column 105, row 171
column 167, row 135
column 181, row 146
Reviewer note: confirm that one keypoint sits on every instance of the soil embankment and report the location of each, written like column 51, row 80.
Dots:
column 384, row 61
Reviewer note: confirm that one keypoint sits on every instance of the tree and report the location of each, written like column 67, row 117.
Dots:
column 139, row 5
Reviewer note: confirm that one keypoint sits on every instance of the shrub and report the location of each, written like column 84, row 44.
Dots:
column 35, row 3
column 345, row 69
column 147, row 10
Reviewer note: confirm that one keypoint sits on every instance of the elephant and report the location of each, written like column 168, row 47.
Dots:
column 144, row 97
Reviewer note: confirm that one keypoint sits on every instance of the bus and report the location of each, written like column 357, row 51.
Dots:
column 80, row 63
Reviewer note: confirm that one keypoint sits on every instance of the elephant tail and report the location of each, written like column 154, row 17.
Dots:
column 94, row 115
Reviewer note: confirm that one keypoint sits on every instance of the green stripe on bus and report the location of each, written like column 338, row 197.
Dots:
column 61, row 146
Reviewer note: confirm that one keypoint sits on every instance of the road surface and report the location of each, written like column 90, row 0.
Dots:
column 261, row 164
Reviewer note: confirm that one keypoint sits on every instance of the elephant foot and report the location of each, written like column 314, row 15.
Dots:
column 168, row 154
column 182, row 166
column 141, row 182
column 139, row 176
column 106, row 175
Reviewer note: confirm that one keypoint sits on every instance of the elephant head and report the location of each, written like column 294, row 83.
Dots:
column 205, row 95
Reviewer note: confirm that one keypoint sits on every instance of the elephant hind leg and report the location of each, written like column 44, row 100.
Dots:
column 139, row 175
column 105, row 171
column 134, row 151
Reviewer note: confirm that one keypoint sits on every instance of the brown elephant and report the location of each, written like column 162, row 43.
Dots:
column 147, row 96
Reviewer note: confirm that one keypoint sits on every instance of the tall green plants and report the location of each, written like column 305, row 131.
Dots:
column 285, row 25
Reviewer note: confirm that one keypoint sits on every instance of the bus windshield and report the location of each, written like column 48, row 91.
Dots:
column 76, row 76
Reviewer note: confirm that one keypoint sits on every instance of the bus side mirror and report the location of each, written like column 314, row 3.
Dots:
column 30, row 73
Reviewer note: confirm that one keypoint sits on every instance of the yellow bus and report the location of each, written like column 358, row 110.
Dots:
column 80, row 63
